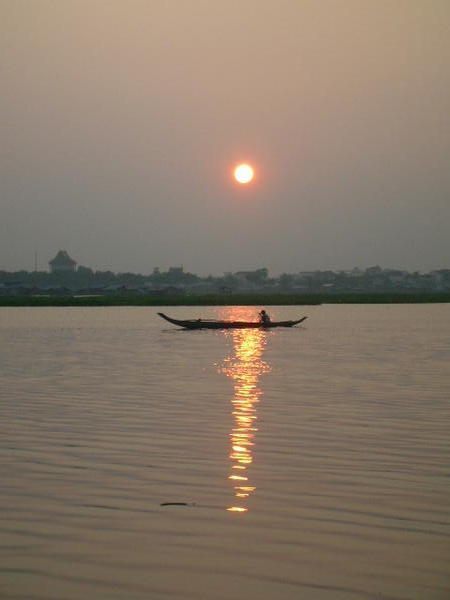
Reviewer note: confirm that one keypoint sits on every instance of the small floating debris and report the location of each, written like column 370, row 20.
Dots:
column 177, row 504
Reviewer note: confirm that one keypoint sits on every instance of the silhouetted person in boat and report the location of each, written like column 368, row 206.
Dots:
column 264, row 318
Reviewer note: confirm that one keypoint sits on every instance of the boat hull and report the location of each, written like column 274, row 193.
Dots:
column 200, row 324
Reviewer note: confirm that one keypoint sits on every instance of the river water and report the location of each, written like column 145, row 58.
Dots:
column 314, row 462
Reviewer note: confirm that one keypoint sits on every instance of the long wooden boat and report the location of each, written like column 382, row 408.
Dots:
column 211, row 324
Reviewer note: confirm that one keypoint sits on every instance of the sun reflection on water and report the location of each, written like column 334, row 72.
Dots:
column 244, row 367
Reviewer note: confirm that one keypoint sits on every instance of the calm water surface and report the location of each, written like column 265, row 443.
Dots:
column 314, row 461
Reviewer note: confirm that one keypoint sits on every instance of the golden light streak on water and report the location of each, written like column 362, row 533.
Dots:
column 244, row 367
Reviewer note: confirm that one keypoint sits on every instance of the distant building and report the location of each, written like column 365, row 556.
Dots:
column 62, row 263
column 243, row 275
column 176, row 270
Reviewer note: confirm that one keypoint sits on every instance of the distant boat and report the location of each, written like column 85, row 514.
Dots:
column 212, row 324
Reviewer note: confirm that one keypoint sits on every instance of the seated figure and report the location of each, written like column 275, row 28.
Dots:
column 264, row 318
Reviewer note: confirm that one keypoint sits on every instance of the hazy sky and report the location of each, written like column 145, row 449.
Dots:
column 121, row 121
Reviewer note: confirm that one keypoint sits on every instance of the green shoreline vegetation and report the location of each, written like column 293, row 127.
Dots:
column 242, row 299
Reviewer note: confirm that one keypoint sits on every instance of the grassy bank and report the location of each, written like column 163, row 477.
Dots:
column 228, row 300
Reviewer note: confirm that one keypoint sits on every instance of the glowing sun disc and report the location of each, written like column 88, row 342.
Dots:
column 243, row 173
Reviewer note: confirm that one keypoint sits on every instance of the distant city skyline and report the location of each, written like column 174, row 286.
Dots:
column 122, row 123
column 46, row 267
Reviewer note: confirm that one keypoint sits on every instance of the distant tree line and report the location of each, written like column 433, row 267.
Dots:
column 370, row 279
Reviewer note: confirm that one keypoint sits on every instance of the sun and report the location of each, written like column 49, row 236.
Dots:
column 243, row 173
